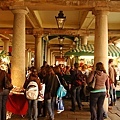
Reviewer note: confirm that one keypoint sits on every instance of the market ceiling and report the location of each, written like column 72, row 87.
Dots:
column 41, row 19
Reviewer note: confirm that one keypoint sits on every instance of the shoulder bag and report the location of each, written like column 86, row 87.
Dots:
column 61, row 92
column 90, row 86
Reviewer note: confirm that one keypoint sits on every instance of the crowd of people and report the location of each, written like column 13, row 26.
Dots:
column 78, row 77
column 74, row 79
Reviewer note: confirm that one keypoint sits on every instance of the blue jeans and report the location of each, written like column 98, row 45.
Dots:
column 32, row 110
column 112, row 95
column 76, row 97
column 50, row 106
column 97, row 100
column 3, row 100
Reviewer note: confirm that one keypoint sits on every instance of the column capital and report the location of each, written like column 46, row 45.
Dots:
column 28, row 49
column 37, row 36
column 5, row 39
column 99, row 12
column 37, row 32
column 19, row 9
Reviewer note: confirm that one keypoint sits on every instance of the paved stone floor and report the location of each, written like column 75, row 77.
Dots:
column 113, row 114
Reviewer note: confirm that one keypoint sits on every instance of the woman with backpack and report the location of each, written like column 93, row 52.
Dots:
column 32, row 103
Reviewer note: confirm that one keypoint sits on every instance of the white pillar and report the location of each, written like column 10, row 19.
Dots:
column 18, row 48
column 101, row 42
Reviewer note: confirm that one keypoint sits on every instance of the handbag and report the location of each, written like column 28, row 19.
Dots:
column 7, row 84
column 90, row 86
column 61, row 92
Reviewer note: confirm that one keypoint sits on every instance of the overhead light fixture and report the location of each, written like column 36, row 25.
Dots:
column 60, row 19
column 61, row 39
column 61, row 47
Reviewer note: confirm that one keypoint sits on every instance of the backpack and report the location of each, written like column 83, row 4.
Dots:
column 32, row 91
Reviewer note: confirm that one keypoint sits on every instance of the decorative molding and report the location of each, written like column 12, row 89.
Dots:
column 63, row 4
column 49, row 31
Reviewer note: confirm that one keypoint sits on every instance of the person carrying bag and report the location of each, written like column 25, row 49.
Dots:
column 5, row 87
column 97, row 95
column 61, row 92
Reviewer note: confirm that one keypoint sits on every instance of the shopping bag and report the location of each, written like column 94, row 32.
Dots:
column 60, row 105
column 41, row 94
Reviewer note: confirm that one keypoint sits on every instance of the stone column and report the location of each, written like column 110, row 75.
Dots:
column 101, row 42
column 18, row 48
column 6, row 45
column 68, row 61
column 48, row 56
column 51, row 57
column 27, row 58
column 84, row 40
column 38, row 51
column 45, row 48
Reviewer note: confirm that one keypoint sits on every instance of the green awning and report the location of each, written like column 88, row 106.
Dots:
column 113, row 50
column 78, row 52
column 88, row 50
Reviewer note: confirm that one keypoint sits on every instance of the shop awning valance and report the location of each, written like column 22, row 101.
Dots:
column 113, row 51
column 86, row 50
column 79, row 52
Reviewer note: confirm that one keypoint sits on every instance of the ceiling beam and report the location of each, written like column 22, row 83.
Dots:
column 83, row 17
column 113, row 6
column 31, row 19
column 49, row 31
column 73, row 5
column 113, row 39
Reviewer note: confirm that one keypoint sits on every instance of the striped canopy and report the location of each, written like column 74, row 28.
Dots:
column 79, row 52
column 88, row 50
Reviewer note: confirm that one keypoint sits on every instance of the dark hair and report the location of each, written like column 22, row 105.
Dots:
column 44, row 63
column 49, row 70
column 110, row 61
column 76, row 65
column 32, row 69
column 100, row 66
